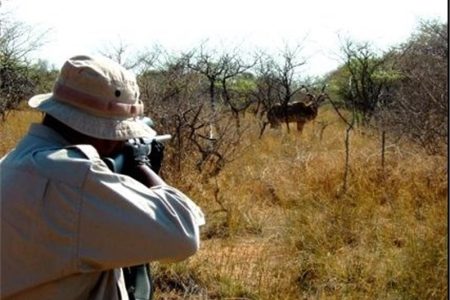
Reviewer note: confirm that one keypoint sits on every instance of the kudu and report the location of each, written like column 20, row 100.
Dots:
column 298, row 112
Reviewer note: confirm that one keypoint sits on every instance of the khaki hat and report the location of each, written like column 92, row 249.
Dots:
column 97, row 97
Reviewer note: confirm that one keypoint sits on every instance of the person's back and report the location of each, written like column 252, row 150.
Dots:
column 68, row 224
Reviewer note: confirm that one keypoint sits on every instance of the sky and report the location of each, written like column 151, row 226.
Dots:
column 90, row 26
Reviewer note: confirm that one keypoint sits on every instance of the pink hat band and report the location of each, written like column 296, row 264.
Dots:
column 96, row 105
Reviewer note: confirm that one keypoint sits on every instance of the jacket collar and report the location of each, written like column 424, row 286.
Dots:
column 47, row 133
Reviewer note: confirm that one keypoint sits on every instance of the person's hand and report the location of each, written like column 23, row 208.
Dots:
column 156, row 156
column 138, row 165
column 145, row 175
column 136, row 154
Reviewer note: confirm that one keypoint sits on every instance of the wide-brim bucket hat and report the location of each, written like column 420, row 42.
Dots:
column 97, row 97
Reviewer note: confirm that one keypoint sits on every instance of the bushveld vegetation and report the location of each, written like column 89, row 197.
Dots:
column 279, row 226
column 356, row 206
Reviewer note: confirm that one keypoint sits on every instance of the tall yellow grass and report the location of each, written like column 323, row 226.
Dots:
column 15, row 127
column 279, row 225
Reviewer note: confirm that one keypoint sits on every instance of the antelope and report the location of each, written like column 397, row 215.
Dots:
column 299, row 112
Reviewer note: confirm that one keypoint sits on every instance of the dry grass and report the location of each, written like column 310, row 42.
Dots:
column 280, row 227
column 15, row 127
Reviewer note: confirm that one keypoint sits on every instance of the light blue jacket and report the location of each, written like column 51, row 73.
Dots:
column 68, row 223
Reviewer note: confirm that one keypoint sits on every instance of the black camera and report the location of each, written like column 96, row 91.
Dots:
column 146, row 150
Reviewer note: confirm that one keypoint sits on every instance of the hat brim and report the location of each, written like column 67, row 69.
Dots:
column 116, row 129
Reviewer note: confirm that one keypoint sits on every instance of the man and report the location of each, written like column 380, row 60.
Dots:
column 68, row 224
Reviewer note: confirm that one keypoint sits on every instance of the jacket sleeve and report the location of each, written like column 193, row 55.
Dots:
column 123, row 223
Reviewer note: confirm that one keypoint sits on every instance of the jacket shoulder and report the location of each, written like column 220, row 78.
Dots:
column 86, row 151
column 68, row 165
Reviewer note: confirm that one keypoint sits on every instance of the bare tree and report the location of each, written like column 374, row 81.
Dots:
column 176, row 100
column 131, row 59
column 233, row 67
column 18, row 40
column 211, row 67
column 220, row 70
column 266, row 85
column 286, row 73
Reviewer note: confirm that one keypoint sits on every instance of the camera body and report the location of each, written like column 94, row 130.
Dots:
column 149, row 150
